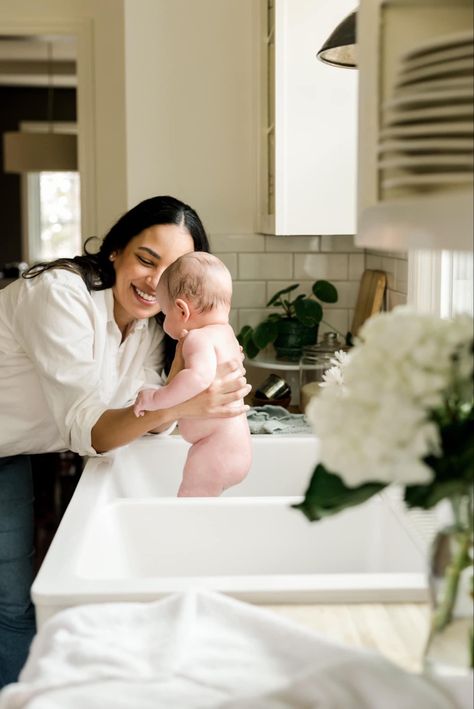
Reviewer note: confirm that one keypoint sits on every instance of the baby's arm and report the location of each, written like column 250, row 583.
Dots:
column 200, row 364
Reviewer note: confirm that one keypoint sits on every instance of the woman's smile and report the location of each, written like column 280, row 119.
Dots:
column 143, row 297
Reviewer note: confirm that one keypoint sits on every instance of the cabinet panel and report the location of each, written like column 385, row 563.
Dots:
column 308, row 122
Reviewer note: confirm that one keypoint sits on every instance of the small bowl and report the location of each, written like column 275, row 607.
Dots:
column 284, row 401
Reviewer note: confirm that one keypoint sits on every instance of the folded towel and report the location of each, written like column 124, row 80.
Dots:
column 276, row 419
column 203, row 650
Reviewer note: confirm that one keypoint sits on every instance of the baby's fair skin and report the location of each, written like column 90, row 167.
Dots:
column 195, row 294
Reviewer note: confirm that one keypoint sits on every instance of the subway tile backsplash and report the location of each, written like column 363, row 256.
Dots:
column 261, row 265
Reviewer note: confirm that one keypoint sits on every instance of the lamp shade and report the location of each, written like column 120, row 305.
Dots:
column 39, row 152
column 340, row 47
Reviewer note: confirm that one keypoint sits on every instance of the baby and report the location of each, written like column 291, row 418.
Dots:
column 195, row 294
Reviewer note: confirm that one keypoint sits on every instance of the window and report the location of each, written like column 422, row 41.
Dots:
column 441, row 282
column 456, row 283
column 53, row 209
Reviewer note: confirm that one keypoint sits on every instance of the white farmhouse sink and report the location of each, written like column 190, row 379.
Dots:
column 126, row 537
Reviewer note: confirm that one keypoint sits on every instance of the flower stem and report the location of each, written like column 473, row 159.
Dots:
column 459, row 562
column 461, row 559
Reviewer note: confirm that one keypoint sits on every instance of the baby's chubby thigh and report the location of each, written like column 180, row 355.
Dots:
column 221, row 459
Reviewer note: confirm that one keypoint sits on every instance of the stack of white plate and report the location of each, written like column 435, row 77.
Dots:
column 427, row 137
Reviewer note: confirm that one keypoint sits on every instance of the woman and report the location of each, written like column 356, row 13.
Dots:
column 78, row 340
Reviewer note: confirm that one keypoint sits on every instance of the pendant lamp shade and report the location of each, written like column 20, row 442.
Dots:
column 340, row 47
column 39, row 152
column 25, row 151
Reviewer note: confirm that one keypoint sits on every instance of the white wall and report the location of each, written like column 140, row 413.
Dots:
column 190, row 106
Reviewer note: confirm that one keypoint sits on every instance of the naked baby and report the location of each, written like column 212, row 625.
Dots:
column 195, row 294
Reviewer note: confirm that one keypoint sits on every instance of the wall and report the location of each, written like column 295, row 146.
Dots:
column 395, row 266
column 191, row 106
column 261, row 265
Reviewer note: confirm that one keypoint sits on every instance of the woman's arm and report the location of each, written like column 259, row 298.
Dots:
column 117, row 427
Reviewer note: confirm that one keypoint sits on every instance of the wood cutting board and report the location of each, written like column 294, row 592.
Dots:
column 370, row 297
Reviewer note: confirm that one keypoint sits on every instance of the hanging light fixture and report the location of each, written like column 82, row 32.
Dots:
column 41, row 152
column 340, row 47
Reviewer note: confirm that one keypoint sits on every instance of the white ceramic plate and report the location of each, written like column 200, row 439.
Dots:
column 459, row 68
column 429, row 163
column 440, row 179
column 424, row 145
column 449, row 83
column 426, row 98
column 444, row 55
column 439, row 44
column 440, row 128
column 431, row 113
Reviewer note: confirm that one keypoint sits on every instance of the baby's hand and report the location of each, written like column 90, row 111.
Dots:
column 139, row 407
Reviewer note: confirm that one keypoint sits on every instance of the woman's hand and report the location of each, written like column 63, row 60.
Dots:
column 223, row 399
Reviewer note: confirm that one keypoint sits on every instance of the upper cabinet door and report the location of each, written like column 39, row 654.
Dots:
column 307, row 122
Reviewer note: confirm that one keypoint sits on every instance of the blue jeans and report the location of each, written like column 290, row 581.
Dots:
column 17, row 619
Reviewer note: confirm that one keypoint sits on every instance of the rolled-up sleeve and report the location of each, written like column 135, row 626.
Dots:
column 58, row 330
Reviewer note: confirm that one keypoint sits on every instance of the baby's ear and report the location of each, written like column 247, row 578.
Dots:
column 183, row 309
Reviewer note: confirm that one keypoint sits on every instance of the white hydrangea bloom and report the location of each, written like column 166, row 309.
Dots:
column 375, row 424
column 334, row 376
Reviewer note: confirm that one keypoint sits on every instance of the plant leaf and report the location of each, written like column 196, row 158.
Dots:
column 245, row 338
column 427, row 496
column 309, row 312
column 284, row 291
column 325, row 291
column 244, row 333
column 264, row 333
column 327, row 494
column 250, row 348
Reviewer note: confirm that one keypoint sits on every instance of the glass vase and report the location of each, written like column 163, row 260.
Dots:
column 449, row 649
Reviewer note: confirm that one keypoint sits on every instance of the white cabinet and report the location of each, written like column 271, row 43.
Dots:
column 308, row 125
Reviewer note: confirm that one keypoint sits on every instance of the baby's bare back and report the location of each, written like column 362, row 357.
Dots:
column 226, row 347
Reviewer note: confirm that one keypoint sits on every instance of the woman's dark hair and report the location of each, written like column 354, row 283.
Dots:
column 97, row 270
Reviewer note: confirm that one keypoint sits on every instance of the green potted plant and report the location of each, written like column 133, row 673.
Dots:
column 297, row 325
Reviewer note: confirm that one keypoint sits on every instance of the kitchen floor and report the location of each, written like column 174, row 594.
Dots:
column 398, row 631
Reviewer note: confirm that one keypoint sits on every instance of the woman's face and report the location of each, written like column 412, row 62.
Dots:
column 138, row 268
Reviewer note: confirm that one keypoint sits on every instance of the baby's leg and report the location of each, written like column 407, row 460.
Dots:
column 199, row 474
column 215, row 463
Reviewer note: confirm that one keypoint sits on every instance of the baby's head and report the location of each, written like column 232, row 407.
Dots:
column 193, row 291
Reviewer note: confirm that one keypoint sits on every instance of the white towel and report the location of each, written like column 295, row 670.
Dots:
column 203, row 650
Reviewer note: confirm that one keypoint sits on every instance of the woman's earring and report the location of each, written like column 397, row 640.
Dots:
column 111, row 257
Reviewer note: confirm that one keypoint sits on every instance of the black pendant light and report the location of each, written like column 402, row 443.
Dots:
column 340, row 47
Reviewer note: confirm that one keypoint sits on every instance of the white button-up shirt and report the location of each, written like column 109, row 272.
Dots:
column 62, row 363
